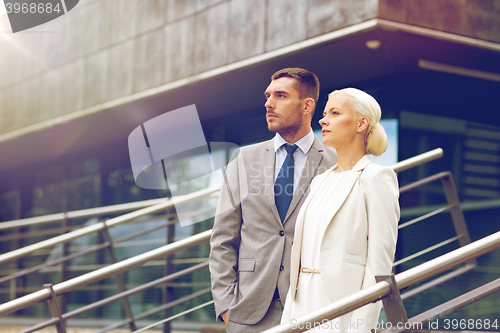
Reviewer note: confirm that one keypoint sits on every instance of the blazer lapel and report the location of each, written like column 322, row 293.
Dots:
column 312, row 163
column 268, row 160
column 297, row 246
column 347, row 185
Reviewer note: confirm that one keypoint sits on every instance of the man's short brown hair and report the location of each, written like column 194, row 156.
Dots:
column 307, row 82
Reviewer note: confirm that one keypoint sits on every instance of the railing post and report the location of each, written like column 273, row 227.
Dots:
column 456, row 212
column 15, row 264
column 55, row 311
column 393, row 305
column 169, row 269
column 66, row 223
column 118, row 277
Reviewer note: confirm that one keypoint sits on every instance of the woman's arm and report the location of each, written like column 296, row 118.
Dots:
column 382, row 207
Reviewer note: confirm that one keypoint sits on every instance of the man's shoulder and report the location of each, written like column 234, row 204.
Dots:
column 256, row 147
column 328, row 152
column 252, row 152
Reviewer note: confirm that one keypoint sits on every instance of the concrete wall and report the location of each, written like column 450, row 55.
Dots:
column 472, row 18
column 105, row 49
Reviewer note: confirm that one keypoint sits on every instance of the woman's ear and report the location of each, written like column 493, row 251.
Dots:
column 363, row 124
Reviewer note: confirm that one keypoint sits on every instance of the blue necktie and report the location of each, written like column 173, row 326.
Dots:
column 283, row 187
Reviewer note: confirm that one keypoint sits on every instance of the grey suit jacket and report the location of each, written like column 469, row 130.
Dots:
column 250, row 247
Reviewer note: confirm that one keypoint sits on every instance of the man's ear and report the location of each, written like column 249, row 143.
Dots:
column 363, row 124
column 309, row 105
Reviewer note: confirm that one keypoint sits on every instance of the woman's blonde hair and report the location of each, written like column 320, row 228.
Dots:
column 364, row 105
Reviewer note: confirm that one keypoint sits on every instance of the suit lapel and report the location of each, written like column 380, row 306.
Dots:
column 347, row 186
column 268, row 160
column 313, row 160
column 297, row 245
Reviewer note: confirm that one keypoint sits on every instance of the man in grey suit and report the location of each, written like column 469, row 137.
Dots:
column 266, row 184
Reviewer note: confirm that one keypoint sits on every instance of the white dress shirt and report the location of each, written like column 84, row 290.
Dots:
column 300, row 155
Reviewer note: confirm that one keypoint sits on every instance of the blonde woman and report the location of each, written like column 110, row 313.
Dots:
column 346, row 230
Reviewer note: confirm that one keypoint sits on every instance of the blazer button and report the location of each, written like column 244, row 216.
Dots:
column 282, row 268
column 282, row 233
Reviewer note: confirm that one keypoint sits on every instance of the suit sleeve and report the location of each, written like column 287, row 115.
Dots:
column 225, row 240
column 382, row 208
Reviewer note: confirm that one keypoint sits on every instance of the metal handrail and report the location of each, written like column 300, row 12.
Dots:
column 83, row 213
column 36, row 233
column 105, row 272
column 28, row 250
column 114, row 269
column 87, row 250
column 404, row 279
column 122, row 295
column 108, row 243
column 164, row 204
column 453, row 206
column 462, row 234
column 174, row 317
column 417, row 160
column 168, row 203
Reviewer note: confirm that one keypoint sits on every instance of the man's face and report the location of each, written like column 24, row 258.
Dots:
column 284, row 107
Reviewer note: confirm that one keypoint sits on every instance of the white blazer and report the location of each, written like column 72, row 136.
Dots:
column 360, row 240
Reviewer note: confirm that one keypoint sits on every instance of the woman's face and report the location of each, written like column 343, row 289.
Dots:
column 340, row 124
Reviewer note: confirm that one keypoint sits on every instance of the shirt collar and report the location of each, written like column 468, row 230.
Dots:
column 304, row 144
